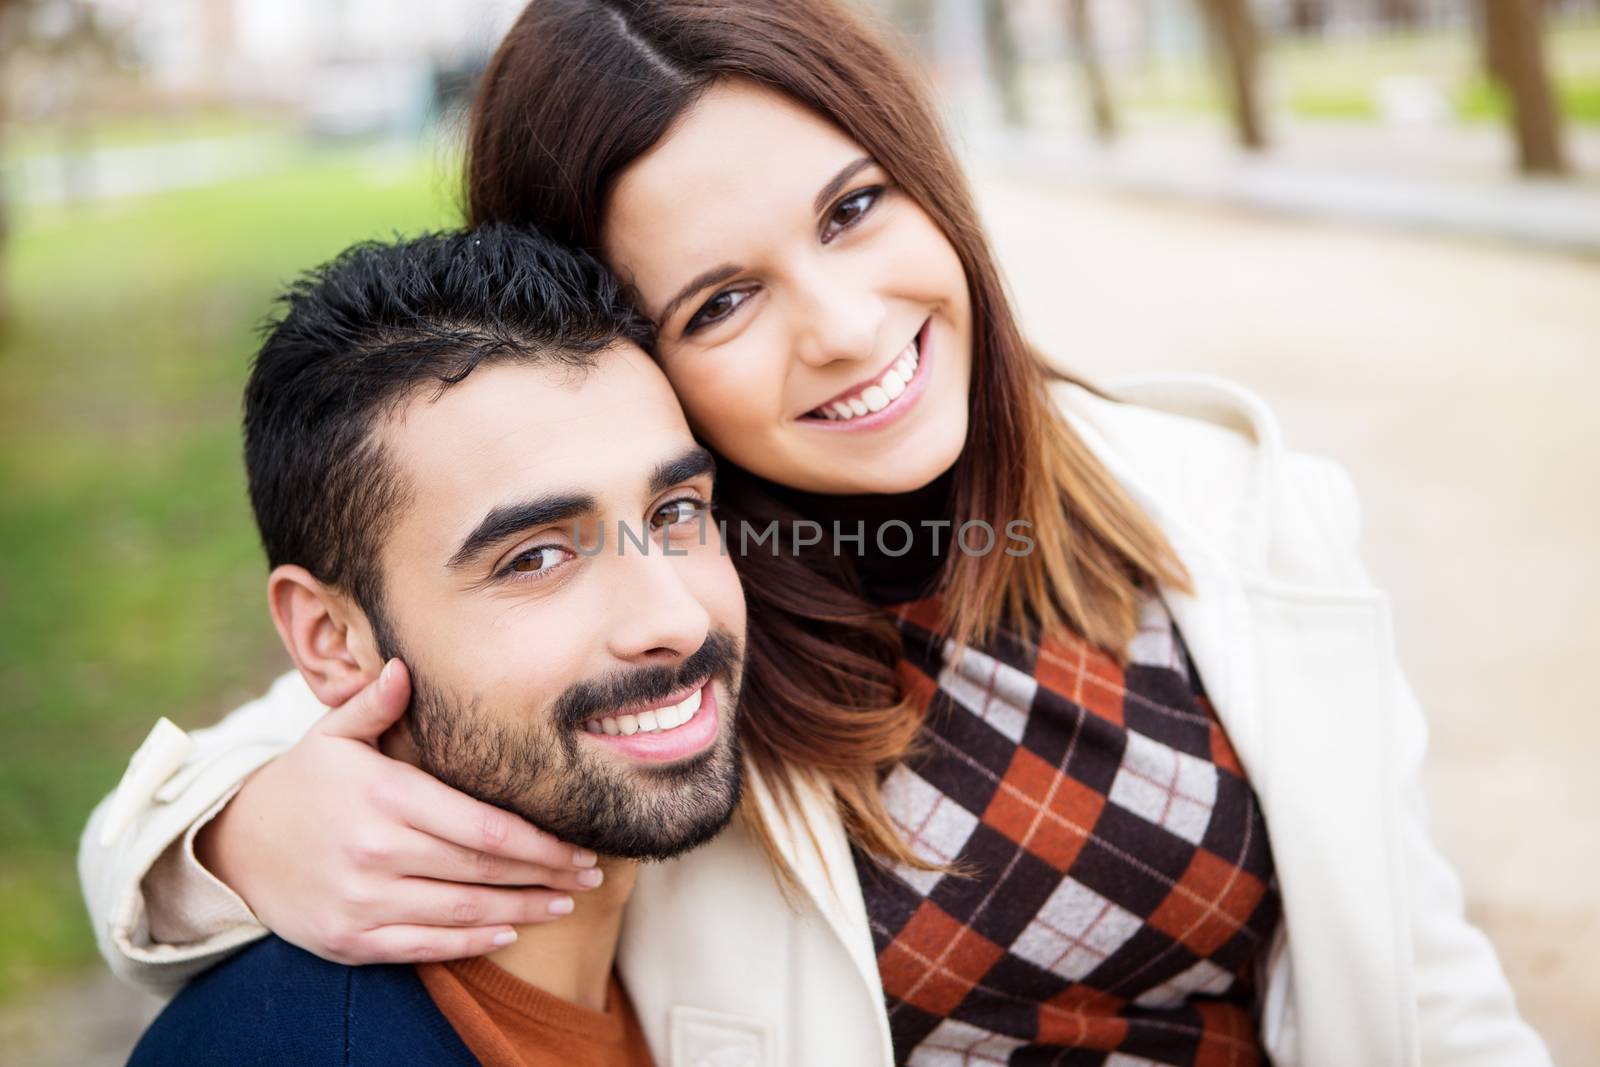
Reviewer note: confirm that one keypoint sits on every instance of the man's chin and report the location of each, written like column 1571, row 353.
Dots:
column 652, row 812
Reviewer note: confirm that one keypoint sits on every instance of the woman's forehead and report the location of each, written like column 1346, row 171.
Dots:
column 742, row 161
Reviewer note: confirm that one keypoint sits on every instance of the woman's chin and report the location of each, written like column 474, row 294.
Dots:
column 903, row 467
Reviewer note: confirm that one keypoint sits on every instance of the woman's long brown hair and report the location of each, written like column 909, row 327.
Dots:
column 580, row 89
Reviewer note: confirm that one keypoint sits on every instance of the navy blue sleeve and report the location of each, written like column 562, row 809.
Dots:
column 275, row 1004
column 270, row 1004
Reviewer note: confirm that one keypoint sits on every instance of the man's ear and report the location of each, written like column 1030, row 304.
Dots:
column 326, row 633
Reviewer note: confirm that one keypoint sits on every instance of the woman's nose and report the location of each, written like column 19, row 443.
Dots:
column 836, row 318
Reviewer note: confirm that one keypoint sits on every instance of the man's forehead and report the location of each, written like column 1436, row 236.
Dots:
column 523, row 428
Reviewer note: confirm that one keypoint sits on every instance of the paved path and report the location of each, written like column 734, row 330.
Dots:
column 1450, row 179
column 1457, row 380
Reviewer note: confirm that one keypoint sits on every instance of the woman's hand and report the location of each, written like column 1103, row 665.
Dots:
column 360, row 858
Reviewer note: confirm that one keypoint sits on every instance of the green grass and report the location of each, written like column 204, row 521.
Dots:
column 133, row 131
column 130, row 577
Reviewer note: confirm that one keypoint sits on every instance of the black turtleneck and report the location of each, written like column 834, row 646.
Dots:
column 893, row 576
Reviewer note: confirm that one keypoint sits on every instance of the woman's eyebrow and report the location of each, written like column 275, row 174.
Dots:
column 711, row 277
column 719, row 274
column 837, row 182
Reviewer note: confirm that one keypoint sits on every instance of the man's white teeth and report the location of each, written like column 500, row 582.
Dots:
column 656, row 720
column 880, row 394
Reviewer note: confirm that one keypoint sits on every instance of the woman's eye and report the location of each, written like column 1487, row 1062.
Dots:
column 677, row 512
column 716, row 309
column 537, row 561
column 848, row 212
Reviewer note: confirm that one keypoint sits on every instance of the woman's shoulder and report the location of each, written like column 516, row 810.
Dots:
column 1175, row 421
column 1209, row 453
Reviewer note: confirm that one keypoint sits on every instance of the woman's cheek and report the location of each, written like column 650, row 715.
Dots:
column 732, row 396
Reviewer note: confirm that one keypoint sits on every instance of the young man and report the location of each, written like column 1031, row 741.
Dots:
column 435, row 470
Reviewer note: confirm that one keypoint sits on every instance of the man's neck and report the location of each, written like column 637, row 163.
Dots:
column 572, row 957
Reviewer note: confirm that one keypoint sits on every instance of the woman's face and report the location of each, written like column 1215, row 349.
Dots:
column 814, row 320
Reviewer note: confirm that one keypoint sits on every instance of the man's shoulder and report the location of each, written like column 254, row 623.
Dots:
column 274, row 1003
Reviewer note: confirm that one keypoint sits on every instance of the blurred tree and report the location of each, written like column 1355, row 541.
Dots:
column 1514, row 54
column 915, row 17
column 1081, row 26
column 57, row 45
column 1000, row 47
column 1233, row 33
column 1404, row 13
column 10, row 14
column 1308, row 16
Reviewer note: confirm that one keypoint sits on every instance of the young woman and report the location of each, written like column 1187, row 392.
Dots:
column 1135, row 785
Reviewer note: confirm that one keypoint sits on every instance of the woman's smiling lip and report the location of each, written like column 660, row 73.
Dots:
column 896, row 407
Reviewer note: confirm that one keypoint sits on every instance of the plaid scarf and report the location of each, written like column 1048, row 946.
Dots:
column 1117, row 886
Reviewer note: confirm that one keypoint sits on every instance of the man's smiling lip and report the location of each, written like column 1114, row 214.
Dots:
column 633, row 709
column 667, row 746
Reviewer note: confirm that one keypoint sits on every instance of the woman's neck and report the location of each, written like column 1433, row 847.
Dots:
column 896, row 542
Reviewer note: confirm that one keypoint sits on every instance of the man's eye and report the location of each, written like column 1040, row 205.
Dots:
column 849, row 211
column 716, row 309
column 537, row 561
column 677, row 512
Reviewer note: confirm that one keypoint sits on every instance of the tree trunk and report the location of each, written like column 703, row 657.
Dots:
column 1081, row 25
column 1000, row 45
column 5, row 237
column 5, row 260
column 1514, row 39
column 1308, row 17
column 1402, row 13
column 1233, row 33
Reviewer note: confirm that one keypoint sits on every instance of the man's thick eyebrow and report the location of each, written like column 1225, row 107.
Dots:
column 838, row 181
column 701, row 281
column 510, row 519
column 692, row 464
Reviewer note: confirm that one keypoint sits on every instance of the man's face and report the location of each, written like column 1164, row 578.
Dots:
column 592, row 692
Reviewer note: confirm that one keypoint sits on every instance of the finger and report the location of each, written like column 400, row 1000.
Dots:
column 425, row 856
column 421, row 944
column 429, row 903
column 365, row 716
column 427, row 804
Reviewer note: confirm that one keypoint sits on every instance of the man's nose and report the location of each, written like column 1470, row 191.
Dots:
column 657, row 617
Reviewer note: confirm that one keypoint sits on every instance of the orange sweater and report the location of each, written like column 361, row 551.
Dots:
column 507, row 1022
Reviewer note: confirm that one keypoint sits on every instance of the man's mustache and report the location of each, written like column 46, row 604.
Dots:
column 718, row 657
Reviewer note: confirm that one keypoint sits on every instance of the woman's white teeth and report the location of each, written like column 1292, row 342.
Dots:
column 656, row 720
column 880, row 394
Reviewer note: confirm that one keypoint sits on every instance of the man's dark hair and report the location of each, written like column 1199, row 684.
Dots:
column 359, row 335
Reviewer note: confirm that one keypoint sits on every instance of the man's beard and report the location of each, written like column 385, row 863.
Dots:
column 536, row 767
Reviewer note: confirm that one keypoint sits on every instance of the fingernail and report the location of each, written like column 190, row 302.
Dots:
column 383, row 682
column 504, row 938
column 591, row 878
column 561, row 906
column 584, row 858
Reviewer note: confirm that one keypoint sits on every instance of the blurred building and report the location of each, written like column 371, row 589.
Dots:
column 346, row 66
